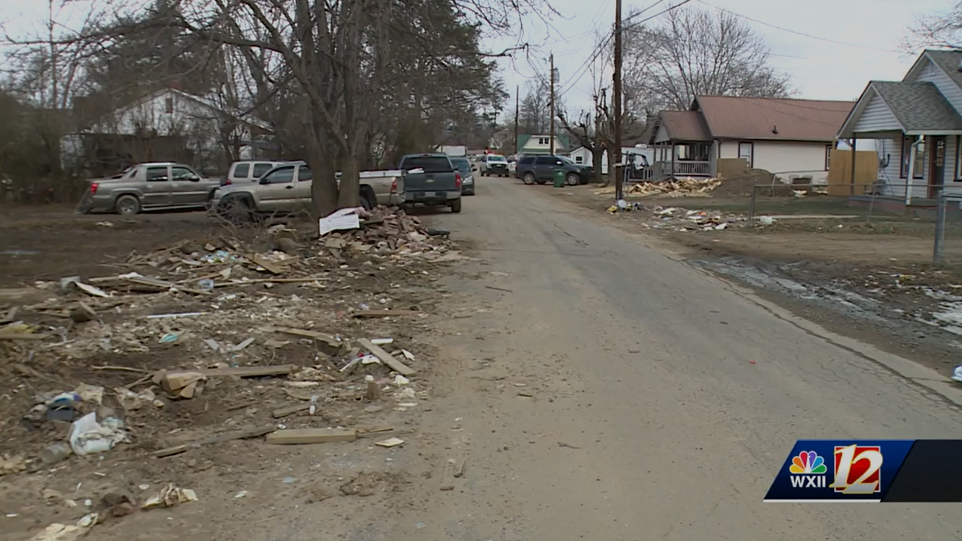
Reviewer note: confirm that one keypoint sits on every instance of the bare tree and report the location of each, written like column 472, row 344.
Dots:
column 694, row 51
column 533, row 117
column 935, row 30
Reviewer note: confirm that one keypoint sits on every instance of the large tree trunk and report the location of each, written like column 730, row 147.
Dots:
column 597, row 162
column 324, row 186
column 348, row 192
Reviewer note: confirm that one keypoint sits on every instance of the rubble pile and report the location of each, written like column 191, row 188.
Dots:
column 680, row 219
column 683, row 187
column 287, row 327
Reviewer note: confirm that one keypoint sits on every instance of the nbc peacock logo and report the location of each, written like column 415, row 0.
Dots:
column 808, row 470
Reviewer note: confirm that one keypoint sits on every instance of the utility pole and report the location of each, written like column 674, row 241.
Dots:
column 517, row 110
column 617, row 98
column 551, row 119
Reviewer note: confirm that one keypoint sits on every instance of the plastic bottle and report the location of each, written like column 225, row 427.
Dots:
column 55, row 453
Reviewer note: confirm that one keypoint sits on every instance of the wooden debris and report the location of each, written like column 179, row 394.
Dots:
column 271, row 266
column 290, row 410
column 304, row 436
column 499, row 289
column 10, row 316
column 326, row 342
column 459, row 470
column 249, row 371
column 22, row 336
column 361, row 432
column 91, row 290
column 82, row 313
column 227, row 436
column 119, row 368
column 446, row 488
column 182, row 384
column 386, row 313
column 386, row 358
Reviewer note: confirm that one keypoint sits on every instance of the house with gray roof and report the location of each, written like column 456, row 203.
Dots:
column 916, row 126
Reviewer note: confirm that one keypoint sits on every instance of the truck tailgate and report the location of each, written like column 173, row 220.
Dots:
column 429, row 174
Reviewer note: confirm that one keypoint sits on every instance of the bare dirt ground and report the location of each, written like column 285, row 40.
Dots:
column 869, row 279
column 321, row 288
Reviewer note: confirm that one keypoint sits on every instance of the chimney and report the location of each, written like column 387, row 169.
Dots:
column 175, row 84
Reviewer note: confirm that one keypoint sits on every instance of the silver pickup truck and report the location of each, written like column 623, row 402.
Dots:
column 286, row 189
column 149, row 186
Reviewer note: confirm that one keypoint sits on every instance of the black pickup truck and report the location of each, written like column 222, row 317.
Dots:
column 431, row 180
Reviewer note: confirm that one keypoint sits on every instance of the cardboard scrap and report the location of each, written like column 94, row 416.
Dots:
column 390, row 442
column 170, row 496
column 182, row 384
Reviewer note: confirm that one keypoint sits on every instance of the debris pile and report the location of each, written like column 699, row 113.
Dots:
column 683, row 187
column 684, row 220
column 284, row 337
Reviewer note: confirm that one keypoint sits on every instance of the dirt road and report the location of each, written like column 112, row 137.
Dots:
column 613, row 392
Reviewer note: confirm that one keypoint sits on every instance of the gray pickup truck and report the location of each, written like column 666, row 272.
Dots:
column 431, row 180
column 286, row 189
column 149, row 186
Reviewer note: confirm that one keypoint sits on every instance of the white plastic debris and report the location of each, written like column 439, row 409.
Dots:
column 87, row 436
column 766, row 220
column 957, row 373
column 400, row 380
column 340, row 220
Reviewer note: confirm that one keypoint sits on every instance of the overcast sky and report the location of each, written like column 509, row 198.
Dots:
column 819, row 68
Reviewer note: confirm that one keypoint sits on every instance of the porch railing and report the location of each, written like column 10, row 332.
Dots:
column 684, row 168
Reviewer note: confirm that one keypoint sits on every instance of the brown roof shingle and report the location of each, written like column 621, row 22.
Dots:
column 684, row 126
column 759, row 118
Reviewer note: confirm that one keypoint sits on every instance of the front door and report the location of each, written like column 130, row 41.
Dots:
column 937, row 173
column 157, row 188
column 186, row 188
column 276, row 189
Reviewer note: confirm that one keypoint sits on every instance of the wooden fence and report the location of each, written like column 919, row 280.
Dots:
column 840, row 181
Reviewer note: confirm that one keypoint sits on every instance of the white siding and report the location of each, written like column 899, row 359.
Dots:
column 876, row 117
column 790, row 158
column 533, row 145
column 729, row 149
column 934, row 74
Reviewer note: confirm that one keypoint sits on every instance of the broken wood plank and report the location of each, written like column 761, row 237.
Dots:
column 249, row 371
column 386, row 358
column 22, row 336
column 307, row 334
column 361, row 432
column 386, row 313
column 91, row 290
column 289, row 410
column 303, row 436
column 271, row 266
column 227, row 436
column 10, row 316
column 269, row 280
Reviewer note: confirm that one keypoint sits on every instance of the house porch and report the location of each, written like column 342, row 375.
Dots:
column 683, row 159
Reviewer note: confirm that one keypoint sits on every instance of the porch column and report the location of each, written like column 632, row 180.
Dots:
column 672, row 173
column 854, row 142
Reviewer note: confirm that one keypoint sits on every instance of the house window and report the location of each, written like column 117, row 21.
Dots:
column 169, row 105
column 543, row 140
column 746, row 151
column 579, row 159
column 828, row 155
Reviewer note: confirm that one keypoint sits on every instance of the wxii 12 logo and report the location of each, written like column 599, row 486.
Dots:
column 857, row 470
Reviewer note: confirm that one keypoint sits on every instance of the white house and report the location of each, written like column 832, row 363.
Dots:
column 540, row 145
column 917, row 127
column 783, row 136
column 583, row 155
column 165, row 123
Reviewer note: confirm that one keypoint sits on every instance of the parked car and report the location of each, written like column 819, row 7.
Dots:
column 286, row 189
column 541, row 169
column 247, row 171
column 467, row 176
column 149, row 186
column 494, row 164
column 431, row 180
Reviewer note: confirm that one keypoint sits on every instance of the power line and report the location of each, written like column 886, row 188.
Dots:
column 601, row 46
column 796, row 32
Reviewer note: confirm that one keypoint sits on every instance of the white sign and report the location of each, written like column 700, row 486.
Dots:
column 340, row 220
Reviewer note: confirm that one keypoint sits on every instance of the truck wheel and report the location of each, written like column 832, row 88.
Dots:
column 573, row 179
column 456, row 206
column 366, row 202
column 127, row 205
column 528, row 179
column 236, row 210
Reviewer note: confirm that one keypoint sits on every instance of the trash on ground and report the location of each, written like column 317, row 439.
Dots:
column 87, row 436
column 170, row 496
column 390, row 442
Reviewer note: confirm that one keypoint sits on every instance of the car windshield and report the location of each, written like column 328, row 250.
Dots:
column 462, row 165
column 496, row 159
